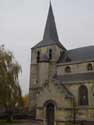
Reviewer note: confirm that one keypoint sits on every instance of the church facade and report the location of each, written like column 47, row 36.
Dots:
column 61, row 81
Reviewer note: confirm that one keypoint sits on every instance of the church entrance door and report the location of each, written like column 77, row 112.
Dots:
column 50, row 114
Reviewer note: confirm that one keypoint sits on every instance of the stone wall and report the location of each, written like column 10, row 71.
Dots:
column 75, row 67
column 56, row 52
column 44, row 88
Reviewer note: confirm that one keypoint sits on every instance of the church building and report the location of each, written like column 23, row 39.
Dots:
column 61, row 81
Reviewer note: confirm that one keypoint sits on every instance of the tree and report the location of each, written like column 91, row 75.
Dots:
column 9, row 75
column 26, row 102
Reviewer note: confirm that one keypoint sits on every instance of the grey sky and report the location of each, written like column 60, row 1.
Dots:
column 22, row 24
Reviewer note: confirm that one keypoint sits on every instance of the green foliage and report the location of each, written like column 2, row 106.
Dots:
column 9, row 85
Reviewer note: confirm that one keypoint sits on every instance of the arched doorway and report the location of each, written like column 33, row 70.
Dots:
column 50, row 113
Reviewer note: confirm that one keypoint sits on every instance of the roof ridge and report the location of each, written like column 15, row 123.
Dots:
column 81, row 47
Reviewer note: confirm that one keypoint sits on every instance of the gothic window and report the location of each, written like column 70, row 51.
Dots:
column 89, row 67
column 83, row 95
column 38, row 56
column 68, row 69
column 50, row 53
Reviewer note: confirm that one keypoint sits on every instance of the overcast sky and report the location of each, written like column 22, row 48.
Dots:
column 22, row 24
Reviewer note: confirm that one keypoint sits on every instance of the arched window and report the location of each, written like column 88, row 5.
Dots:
column 38, row 56
column 83, row 95
column 50, row 53
column 68, row 69
column 89, row 67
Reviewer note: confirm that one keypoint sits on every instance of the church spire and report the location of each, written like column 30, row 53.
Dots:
column 50, row 32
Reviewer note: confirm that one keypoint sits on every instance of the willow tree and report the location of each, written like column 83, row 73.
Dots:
column 10, row 90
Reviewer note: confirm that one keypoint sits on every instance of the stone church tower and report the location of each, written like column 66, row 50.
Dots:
column 61, row 81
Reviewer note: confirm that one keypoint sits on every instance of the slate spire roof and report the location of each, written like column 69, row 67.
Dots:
column 50, row 29
column 50, row 34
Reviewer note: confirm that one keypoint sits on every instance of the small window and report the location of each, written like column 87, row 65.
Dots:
column 50, row 53
column 89, row 67
column 38, row 56
column 68, row 69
